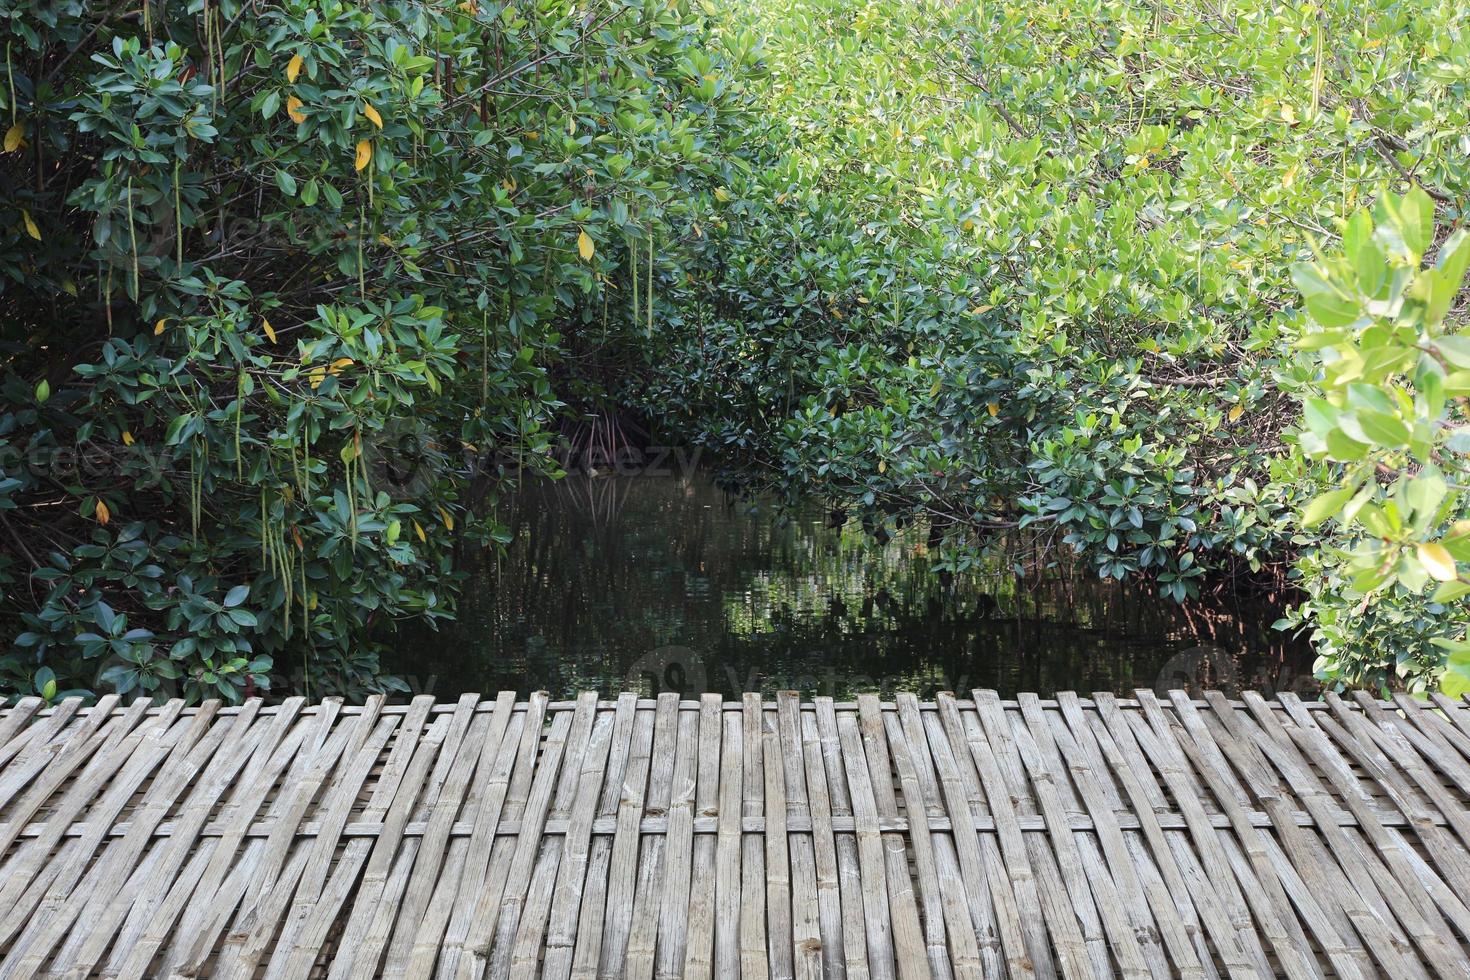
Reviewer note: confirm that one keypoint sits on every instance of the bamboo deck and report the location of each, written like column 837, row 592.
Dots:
column 637, row 838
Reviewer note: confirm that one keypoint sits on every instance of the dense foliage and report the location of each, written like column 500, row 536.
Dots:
column 286, row 290
column 294, row 290
column 1029, row 264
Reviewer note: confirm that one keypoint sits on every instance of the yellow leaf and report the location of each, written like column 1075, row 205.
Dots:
column 721, row 194
column 977, row 311
column 293, row 109
column 448, row 519
column 270, row 331
column 30, row 223
column 419, row 530
column 372, row 114
column 585, row 246
column 103, row 514
column 364, row 154
column 1289, row 178
column 127, row 438
column 13, row 137
column 1437, row 561
column 1237, row 412
column 293, row 68
column 317, row 376
column 340, row 363
column 993, row 409
column 882, row 466
column 159, row 326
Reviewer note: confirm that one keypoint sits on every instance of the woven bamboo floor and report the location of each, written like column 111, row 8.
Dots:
column 968, row 837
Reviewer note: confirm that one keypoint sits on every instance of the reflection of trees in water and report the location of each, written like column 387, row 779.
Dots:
column 600, row 571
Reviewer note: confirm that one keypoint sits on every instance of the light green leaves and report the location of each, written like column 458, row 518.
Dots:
column 1330, row 301
column 1456, row 678
column 1325, row 506
column 1384, row 402
column 1406, row 224
column 1455, row 350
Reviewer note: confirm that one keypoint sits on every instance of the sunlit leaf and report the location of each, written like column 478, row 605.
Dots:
column 1437, row 561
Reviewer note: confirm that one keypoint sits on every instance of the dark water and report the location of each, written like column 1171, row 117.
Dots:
column 666, row 583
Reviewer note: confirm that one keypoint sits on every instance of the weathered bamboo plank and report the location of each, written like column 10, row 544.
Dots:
column 699, row 945
column 754, row 961
column 849, row 875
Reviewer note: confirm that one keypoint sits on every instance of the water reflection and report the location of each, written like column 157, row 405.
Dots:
column 666, row 583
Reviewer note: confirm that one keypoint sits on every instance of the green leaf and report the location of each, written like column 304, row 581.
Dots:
column 1454, row 256
column 1412, row 218
column 1455, row 681
column 1325, row 505
column 1424, row 492
column 1450, row 591
column 1455, row 350
column 1383, row 429
column 176, row 428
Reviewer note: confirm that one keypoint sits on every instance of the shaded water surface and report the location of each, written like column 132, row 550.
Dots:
column 666, row 583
